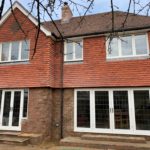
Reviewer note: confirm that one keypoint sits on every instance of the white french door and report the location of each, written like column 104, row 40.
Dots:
column 119, row 111
column 112, row 111
column 11, row 110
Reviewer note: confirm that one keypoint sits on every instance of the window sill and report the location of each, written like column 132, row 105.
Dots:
column 128, row 58
column 74, row 62
column 14, row 62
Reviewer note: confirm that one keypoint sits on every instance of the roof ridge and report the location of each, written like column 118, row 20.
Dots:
column 107, row 12
column 103, row 13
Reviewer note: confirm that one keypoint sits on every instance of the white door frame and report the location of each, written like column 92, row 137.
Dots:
column 112, row 129
column 10, row 127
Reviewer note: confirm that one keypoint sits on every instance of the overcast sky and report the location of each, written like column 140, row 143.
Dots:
column 99, row 6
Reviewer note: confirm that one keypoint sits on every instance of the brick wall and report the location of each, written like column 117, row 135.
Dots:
column 39, row 112
column 36, row 72
column 67, row 115
column 56, row 114
column 96, row 71
column 68, row 123
column 44, row 113
column 44, row 69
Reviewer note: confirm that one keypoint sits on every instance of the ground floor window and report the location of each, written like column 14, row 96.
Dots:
column 13, row 107
column 113, row 110
column 83, row 111
column 25, row 103
column 142, row 110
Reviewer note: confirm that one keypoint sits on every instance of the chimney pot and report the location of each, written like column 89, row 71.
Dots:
column 66, row 13
column 65, row 3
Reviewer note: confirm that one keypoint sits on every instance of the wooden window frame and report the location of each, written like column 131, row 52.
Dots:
column 134, row 55
column 74, row 58
column 10, row 50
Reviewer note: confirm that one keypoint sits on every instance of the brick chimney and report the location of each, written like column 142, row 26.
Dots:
column 66, row 13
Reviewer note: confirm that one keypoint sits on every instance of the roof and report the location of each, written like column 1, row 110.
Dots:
column 99, row 23
column 90, row 25
column 16, row 4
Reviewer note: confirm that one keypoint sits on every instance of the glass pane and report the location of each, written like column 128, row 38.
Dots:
column 78, row 50
column 102, row 109
column 140, row 44
column 121, row 110
column 15, row 51
column 7, row 99
column 113, row 48
column 16, row 108
column 5, row 52
column 142, row 109
column 25, row 50
column 126, row 45
column 25, row 105
column 69, row 51
column 83, row 109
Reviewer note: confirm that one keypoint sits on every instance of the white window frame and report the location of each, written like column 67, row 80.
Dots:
column 27, row 104
column 93, row 129
column 133, row 48
column 65, row 51
column 10, row 127
column 10, row 50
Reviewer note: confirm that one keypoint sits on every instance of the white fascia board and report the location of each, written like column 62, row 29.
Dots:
column 26, row 13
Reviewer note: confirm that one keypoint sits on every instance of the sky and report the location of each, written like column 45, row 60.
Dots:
column 99, row 6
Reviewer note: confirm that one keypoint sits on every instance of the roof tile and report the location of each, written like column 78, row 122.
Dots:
column 98, row 23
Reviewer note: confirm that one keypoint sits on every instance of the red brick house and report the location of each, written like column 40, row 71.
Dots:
column 97, row 91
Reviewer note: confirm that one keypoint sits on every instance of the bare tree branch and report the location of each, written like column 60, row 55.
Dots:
column 144, row 7
column 38, row 27
column 62, row 37
column 1, row 8
column 127, row 13
column 113, row 18
column 18, row 23
column 90, row 5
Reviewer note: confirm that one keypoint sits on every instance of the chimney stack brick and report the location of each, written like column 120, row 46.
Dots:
column 66, row 13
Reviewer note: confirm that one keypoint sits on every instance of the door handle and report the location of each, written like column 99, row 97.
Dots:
column 111, row 110
column 11, row 109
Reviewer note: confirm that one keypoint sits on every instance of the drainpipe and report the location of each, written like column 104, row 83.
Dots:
column 61, row 87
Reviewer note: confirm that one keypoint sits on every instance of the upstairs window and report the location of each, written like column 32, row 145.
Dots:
column 128, row 46
column 14, row 51
column 73, row 51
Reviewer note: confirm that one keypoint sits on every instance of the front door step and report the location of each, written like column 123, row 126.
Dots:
column 79, row 142
column 113, row 138
column 19, row 138
column 10, row 133
column 14, row 140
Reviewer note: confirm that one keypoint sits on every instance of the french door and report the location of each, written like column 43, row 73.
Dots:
column 122, row 111
column 112, row 110
column 11, row 110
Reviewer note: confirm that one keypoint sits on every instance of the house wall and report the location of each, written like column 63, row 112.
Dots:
column 68, row 113
column 44, row 113
column 96, row 71
column 38, row 72
column 39, row 117
column 44, row 70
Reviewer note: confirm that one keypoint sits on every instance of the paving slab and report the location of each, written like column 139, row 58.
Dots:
column 41, row 147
